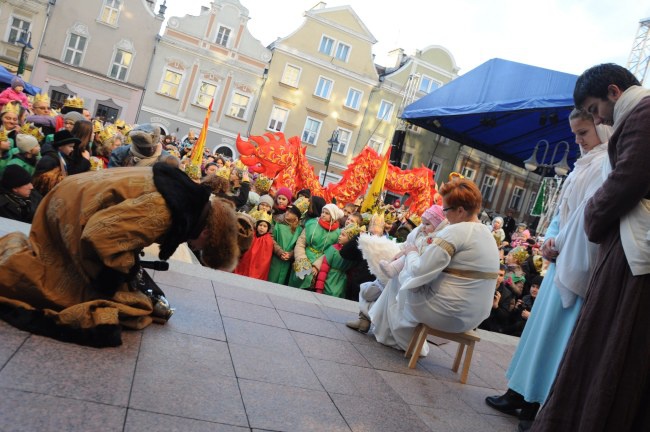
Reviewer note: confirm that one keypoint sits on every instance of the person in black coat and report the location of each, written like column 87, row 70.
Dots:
column 18, row 198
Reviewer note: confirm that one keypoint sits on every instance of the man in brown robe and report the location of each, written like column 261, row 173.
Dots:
column 73, row 278
column 604, row 380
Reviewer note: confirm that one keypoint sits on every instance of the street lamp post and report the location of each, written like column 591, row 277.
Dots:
column 26, row 41
column 334, row 140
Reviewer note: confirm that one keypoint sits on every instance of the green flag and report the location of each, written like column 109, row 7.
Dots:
column 538, row 208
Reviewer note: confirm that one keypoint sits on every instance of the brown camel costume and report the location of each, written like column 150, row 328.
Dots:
column 72, row 278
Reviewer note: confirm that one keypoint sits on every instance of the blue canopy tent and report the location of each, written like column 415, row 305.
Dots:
column 6, row 77
column 504, row 109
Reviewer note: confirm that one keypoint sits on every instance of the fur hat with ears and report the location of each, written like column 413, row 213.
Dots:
column 145, row 135
column 17, row 82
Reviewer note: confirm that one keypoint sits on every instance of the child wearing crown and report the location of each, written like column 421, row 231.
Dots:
column 332, row 278
column 256, row 261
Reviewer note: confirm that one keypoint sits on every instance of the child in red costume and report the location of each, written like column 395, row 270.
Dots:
column 256, row 261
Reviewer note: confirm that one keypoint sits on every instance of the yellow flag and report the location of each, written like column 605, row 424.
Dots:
column 197, row 150
column 377, row 185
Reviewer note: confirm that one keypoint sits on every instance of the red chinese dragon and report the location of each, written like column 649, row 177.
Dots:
column 285, row 162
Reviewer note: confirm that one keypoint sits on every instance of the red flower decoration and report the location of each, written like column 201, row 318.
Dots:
column 429, row 240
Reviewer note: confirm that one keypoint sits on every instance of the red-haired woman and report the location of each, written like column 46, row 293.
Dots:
column 450, row 286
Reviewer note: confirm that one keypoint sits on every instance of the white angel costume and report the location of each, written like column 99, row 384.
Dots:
column 449, row 287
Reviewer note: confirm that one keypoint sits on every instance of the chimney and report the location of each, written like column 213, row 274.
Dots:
column 397, row 55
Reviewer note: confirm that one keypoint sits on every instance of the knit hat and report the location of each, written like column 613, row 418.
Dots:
column 434, row 214
column 334, row 211
column 64, row 137
column 74, row 116
column 305, row 192
column 145, row 135
column 17, row 82
column 286, row 192
column 15, row 177
column 26, row 143
column 266, row 199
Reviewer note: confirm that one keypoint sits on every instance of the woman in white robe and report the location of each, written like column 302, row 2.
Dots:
column 450, row 286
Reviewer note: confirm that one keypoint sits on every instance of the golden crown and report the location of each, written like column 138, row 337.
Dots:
column 262, row 216
column 97, row 126
column 3, row 135
column 12, row 107
column 193, row 171
column 351, row 230
column 74, row 102
column 301, row 204
column 390, row 218
column 239, row 164
column 119, row 123
column 415, row 219
column 107, row 133
column 42, row 97
column 30, row 129
column 519, row 254
column 263, row 184
column 223, row 172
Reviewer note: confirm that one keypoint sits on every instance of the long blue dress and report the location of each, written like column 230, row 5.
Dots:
column 545, row 337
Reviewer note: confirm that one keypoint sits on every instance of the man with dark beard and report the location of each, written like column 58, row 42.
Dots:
column 604, row 380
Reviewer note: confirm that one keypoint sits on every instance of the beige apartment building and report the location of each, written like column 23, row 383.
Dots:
column 201, row 58
column 319, row 82
column 503, row 185
column 99, row 50
column 21, row 29
column 406, row 80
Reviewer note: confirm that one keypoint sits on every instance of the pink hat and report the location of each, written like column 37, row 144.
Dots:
column 285, row 191
column 434, row 214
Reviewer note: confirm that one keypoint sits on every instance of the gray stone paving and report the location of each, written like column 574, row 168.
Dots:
column 245, row 355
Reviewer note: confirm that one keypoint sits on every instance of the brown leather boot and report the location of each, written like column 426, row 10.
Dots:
column 362, row 324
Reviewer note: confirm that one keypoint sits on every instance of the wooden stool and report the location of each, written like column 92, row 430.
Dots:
column 469, row 338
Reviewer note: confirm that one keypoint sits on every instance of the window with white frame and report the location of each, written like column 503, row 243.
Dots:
column 428, row 84
column 223, row 34
column 342, row 51
column 74, row 50
column 171, row 82
column 516, row 198
column 435, row 167
column 407, row 161
column 376, row 144
column 344, row 137
column 110, row 12
column 324, row 88
column 385, row 110
column 531, row 202
column 278, row 118
column 291, row 75
column 413, row 128
column 311, row 130
column 205, row 92
column 239, row 105
column 487, row 187
column 326, row 45
column 19, row 27
column 353, row 99
column 468, row 173
column 121, row 64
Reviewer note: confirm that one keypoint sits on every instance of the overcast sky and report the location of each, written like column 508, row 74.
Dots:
column 564, row 35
